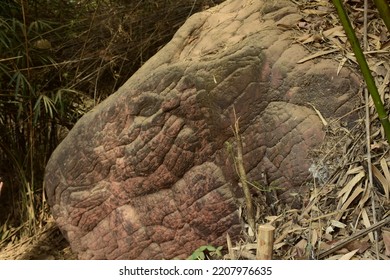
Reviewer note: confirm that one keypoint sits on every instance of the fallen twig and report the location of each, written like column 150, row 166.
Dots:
column 354, row 236
column 242, row 175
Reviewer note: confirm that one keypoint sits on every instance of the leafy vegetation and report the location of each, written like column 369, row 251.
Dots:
column 206, row 252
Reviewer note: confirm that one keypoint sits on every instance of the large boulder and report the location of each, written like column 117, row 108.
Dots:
column 146, row 174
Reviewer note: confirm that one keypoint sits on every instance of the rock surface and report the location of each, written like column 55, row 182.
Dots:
column 146, row 174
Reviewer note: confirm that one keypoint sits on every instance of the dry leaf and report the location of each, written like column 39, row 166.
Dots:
column 360, row 245
column 314, row 237
column 314, row 12
column 384, row 85
column 349, row 255
column 355, row 170
column 336, row 31
column 279, row 245
column 341, row 64
column 230, row 247
column 386, row 240
column 318, row 54
column 303, row 38
column 337, row 224
column 272, row 219
column 365, row 197
column 380, row 177
column 335, row 257
column 351, row 198
column 324, row 122
column 329, row 230
column 350, row 185
column 367, row 224
column 300, row 249
column 376, row 145
column 385, row 169
column 286, row 232
column 327, row 236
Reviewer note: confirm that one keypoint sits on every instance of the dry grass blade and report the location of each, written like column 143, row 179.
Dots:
column 367, row 223
column 355, row 170
column 231, row 254
column 336, row 31
column 349, row 255
column 381, row 179
column 324, row 122
column 318, row 54
column 385, row 83
column 385, row 168
column 386, row 240
column 351, row 198
column 350, row 185
column 242, row 174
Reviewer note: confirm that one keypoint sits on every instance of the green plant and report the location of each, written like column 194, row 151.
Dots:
column 206, row 252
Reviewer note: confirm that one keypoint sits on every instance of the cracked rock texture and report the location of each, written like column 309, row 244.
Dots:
column 146, row 173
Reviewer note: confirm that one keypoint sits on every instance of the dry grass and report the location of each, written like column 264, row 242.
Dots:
column 47, row 244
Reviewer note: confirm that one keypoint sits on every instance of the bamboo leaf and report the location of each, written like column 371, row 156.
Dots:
column 385, row 169
column 349, row 255
column 350, row 185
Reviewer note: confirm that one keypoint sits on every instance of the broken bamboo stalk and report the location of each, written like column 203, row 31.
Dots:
column 265, row 242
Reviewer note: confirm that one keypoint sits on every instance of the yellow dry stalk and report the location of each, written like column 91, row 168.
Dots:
column 239, row 163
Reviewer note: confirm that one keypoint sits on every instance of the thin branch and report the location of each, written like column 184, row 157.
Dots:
column 242, row 174
column 354, row 236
